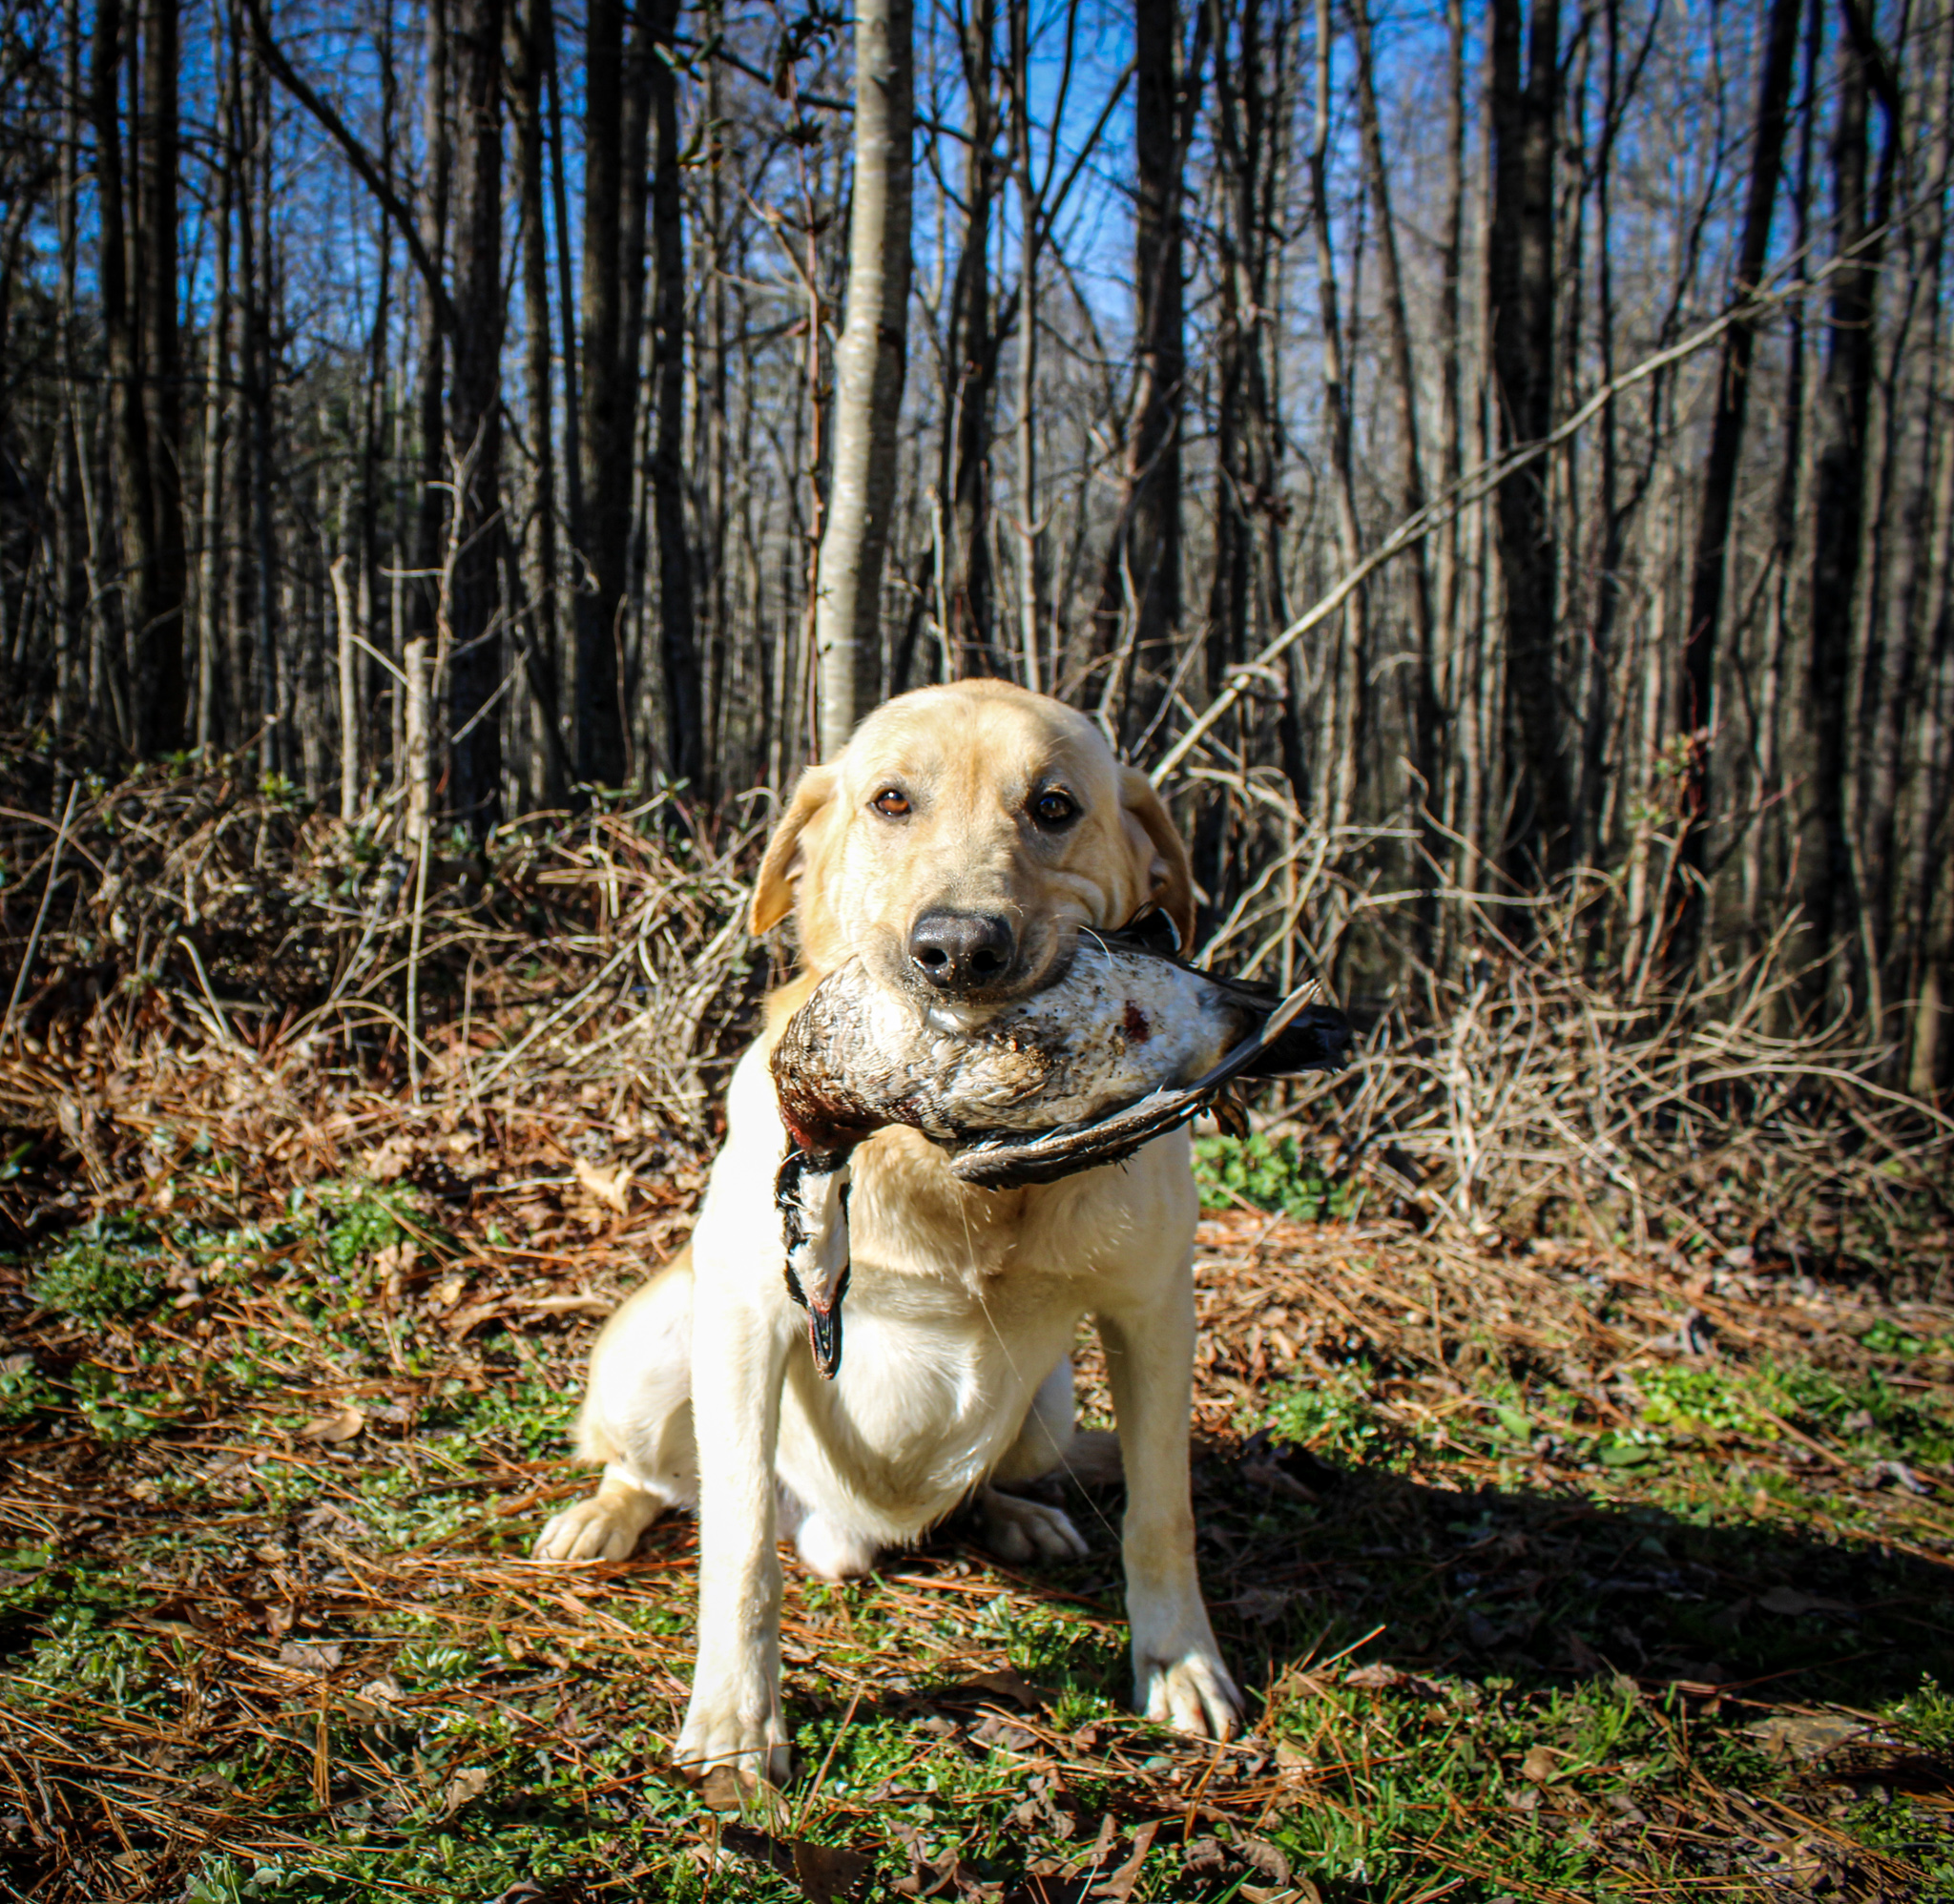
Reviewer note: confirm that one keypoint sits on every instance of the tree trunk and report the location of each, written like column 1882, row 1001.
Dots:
column 1347, row 669
column 434, row 504
column 474, row 655
column 69, row 492
column 685, row 709
column 1031, row 239
column 1141, row 589
column 530, row 47
column 1839, row 500
column 868, row 375
column 614, row 124
column 159, row 662
column 1452, row 422
column 129, row 444
column 211, row 515
column 1424, row 697
column 1694, row 711
column 1520, row 263
column 970, row 362
column 566, row 613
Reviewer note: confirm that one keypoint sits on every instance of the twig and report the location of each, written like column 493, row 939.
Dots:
column 33, row 938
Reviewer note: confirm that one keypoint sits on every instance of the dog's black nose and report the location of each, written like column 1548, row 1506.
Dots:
column 961, row 951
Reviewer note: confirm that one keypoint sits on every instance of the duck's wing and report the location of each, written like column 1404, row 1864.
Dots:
column 1299, row 1035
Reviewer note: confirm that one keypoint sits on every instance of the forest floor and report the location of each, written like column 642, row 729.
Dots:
column 1553, row 1569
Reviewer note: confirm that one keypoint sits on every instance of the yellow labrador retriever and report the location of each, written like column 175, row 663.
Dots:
column 957, row 846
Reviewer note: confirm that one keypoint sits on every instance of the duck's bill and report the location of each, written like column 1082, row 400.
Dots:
column 1298, row 1036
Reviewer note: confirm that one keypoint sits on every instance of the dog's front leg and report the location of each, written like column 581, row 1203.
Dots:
column 1179, row 1677
column 739, row 1351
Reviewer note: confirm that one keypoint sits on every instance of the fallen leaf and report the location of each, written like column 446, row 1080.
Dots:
column 390, row 1160
column 1376, row 1677
column 448, row 1290
column 1119, row 1886
column 1792, row 1601
column 310, row 1655
column 1540, row 1763
column 723, row 1788
column 396, row 1263
column 1008, row 1684
column 1269, row 1859
column 342, row 1426
column 1804, row 1735
column 464, row 1787
column 608, row 1187
column 1262, row 1603
column 828, row 1872
column 473, row 1316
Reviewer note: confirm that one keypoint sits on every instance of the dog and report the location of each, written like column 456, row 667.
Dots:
column 957, row 846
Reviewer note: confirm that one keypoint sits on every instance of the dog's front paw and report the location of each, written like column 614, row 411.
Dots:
column 728, row 1728
column 606, row 1527
column 1192, row 1693
column 1016, row 1529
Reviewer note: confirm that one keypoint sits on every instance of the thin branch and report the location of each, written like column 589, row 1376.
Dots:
column 357, row 156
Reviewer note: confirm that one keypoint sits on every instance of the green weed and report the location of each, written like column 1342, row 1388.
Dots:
column 1334, row 1416
column 23, row 1393
column 110, row 1269
column 1686, row 1399
column 1272, row 1173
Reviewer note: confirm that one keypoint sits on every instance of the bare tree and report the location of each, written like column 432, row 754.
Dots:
column 1726, row 441
column 1520, row 264
column 472, row 640
column 685, row 757
column 869, row 370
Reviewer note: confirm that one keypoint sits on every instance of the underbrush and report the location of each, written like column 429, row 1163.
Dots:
column 1575, row 1466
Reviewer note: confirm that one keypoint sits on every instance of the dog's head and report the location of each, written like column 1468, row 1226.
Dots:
column 960, row 840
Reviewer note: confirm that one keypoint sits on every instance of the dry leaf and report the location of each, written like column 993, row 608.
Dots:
column 390, row 1160
column 723, row 1788
column 608, row 1187
column 448, row 1290
column 1804, row 1735
column 473, row 1316
column 1008, row 1684
column 1540, row 1763
column 396, row 1261
column 1119, row 1886
column 313, row 1656
column 342, row 1426
column 1792, row 1601
column 1270, row 1860
column 467, row 1785
column 828, row 1872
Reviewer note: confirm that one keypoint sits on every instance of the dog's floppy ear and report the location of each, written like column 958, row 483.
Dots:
column 773, row 895
column 1166, row 872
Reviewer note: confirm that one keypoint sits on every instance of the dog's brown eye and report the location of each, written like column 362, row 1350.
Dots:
column 892, row 803
column 1053, row 807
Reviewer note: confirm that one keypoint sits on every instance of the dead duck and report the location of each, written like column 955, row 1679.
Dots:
column 1129, row 1042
